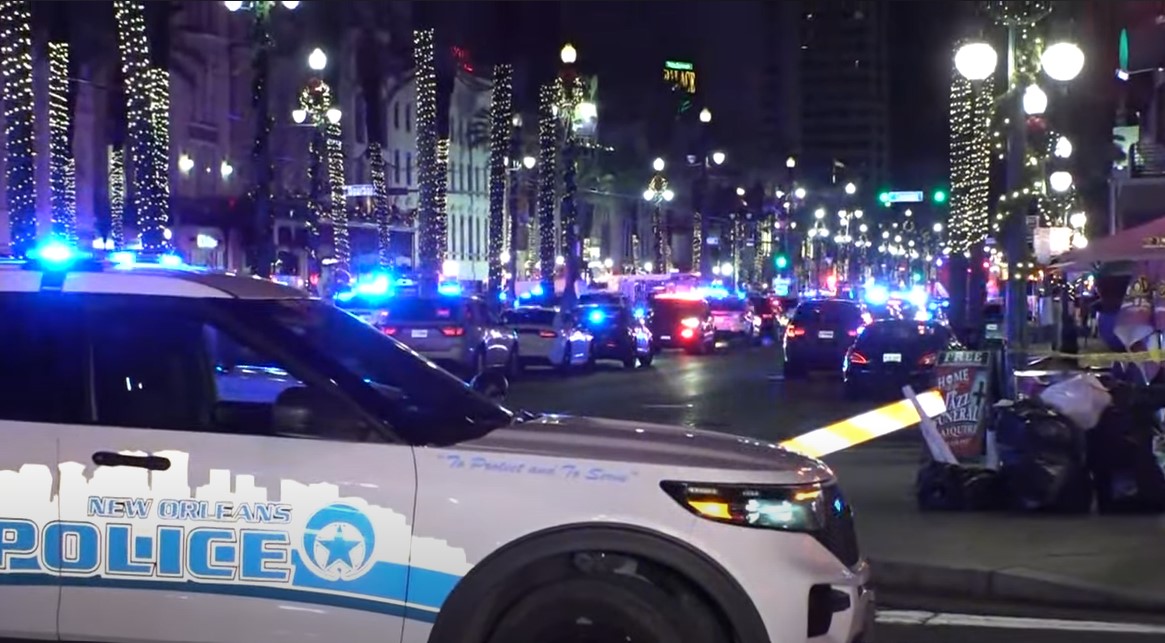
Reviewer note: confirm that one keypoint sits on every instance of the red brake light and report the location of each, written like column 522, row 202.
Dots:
column 388, row 330
column 687, row 333
column 930, row 359
column 853, row 333
column 453, row 331
column 547, row 334
column 793, row 331
column 857, row 358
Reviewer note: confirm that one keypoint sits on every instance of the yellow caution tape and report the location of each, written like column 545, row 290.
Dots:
column 867, row 426
column 1104, row 359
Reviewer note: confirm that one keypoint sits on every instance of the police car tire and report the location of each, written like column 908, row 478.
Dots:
column 643, row 612
column 645, row 360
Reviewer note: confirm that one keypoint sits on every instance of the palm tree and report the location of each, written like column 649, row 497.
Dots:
column 147, row 183
column 16, row 31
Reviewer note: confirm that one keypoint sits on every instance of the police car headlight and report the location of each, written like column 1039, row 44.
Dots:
column 789, row 508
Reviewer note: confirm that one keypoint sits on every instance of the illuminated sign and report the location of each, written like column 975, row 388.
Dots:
column 682, row 75
column 904, row 197
column 678, row 66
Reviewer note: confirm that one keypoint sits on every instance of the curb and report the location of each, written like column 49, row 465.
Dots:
column 1012, row 584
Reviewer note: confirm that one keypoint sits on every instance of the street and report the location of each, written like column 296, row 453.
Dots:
column 739, row 390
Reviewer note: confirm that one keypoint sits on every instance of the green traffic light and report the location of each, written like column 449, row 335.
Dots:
column 781, row 261
column 884, row 197
column 939, row 196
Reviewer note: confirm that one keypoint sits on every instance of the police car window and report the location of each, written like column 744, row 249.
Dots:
column 43, row 360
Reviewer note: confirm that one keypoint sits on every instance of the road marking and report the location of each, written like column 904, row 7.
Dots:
column 935, row 619
column 667, row 406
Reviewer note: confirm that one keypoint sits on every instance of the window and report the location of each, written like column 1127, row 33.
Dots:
column 167, row 368
column 409, row 117
column 42, row 377
column 396, row 115
column 409, row 168
column 396, row 166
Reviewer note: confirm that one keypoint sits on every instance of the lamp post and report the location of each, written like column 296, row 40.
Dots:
column 658, row 193
column 1062, row 62
column 316, row 109
column 570, row 99
column 707, row 160
column 263, row 249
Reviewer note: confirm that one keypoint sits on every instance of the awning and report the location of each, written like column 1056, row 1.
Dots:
column 1143, row 243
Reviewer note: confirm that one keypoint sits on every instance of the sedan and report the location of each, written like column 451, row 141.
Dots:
column 548, row 337
column 892, row 353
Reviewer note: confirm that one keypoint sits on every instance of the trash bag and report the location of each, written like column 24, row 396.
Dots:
column 1122, row 452
column 1041, row 455
column 1081, row 399
column 950, row 487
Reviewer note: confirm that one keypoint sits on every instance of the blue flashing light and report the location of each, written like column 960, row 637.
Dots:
column 922, row 316
column 526, row 295
column 596, row 317
column 123, row 258
column 639, row 312
column 877, row 295
column 346, row 296
column 918, row 297
column 502, row 296
column 537, row 290
column 54, row 254
column 170, row 261
column 449, row 289
column 377, row 286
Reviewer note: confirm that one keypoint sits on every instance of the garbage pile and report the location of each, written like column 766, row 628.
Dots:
column 1081, row 443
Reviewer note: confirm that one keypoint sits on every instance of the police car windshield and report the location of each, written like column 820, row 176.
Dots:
column 423, row 403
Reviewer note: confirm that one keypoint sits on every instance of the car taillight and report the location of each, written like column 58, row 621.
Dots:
column 930, row 359
column 388, row 330
column 547, row 334
column 853, row 333
column 453, row 331
column 687, row 333
column 857, row 358
column 793, row 331
column 690, row 322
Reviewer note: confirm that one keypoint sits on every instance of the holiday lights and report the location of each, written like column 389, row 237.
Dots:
column 697, row 239
column 426, row 88
column 117, row 196
column 339, row 213
column 147, row 193
column 159, row 93
column 20, row 162
column 499, row 140
column 62, row 181
column 315, row 100
column 570, row 91
column 442, row 225
column 380, row 204
column 970, row 155
column 547, row 178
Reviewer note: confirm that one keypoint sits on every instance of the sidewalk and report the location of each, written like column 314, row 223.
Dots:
column 1094, row 562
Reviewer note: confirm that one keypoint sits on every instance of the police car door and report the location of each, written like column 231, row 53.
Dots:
column 41, row 390
column 197, row 517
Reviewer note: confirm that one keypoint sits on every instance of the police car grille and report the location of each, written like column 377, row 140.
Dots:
column 839, row 535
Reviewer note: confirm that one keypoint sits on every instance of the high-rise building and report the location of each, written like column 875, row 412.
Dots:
column 844, row 91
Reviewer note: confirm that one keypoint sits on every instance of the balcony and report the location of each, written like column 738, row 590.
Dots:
column 1148, row 160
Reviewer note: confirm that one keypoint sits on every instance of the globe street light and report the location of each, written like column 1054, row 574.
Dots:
column 850, row 188
column 290, row 4
column 1077, row 219
column 1063, row 148
column 568, row 54
column 790, row 162
column 1062, row 61
column 705, row 115
column 976, row 61
column 529, row 162
column 317, row 60
column 649, row 194
column 739, row 191
column 233, row 6
column 718, row 158
column 1035, row 101
column 333, row 114
column 1060, row 181
column 799, row 193
column 668, row 195
column 299, row 116
column 658, row 165
column 938, row 227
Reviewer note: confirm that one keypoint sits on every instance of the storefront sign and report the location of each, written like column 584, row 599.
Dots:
column 964, row 377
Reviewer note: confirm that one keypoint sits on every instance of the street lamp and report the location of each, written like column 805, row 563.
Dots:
column 529, row 162
column 1062, row 61
column 938, row 227
column 1063, row 148
column 976, row 60
column 1060, row 181
column 568, row 54
column 657, row 193
column 705, row 115
column 790, row 162
column 718, row 158
column 225, row 170
column 299, row 116
column 799, row 193
column 333, row 115
column 850, row 188
column 739, row 191
column 317, row 60
column 185, row 163
column 1035, row 101
column 658, row 165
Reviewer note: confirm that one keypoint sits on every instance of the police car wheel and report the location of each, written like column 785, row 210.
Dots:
column 564, row 365
column 479, row 362
column 645, row 359
column 607, row 609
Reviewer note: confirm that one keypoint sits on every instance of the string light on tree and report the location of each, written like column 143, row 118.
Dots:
column 158, row 83
column 61, row 178
column 442, row 227
column 151, row 221
column 499, row 140
column 335, row 143
column 426, row 84
column 547, row 175
column 20, row 162
column 117, row 196
column 378, row 169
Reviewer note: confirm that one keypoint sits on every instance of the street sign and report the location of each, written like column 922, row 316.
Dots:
column 905, row 197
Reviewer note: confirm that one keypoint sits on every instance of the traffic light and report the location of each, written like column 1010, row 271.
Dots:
column 939, row 196
column 884, row 198
column 781, row 261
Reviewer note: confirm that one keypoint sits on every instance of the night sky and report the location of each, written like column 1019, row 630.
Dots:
column 625, row 43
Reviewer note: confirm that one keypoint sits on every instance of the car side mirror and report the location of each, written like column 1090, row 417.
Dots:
column 491, row 384
column 308, row 412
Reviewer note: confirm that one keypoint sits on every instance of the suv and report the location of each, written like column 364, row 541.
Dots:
column 680, row 321
column 459, row 333
column 219, row 458
column 819, row 334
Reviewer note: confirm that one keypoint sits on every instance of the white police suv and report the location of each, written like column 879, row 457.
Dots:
column 208, row 458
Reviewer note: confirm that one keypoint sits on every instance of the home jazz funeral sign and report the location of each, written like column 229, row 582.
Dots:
column 964, row 377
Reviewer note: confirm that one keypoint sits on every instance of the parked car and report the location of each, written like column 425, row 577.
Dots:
column 819, row 334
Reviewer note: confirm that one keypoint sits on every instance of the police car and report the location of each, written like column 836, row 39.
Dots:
column 210, row 458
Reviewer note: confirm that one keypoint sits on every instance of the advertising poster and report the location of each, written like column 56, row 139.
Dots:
column 964, row 377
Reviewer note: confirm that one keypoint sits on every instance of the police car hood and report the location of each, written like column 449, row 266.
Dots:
column 586, row 438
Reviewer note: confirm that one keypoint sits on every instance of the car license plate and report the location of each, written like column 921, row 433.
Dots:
column 665, row 336
column 825, row 334
column 892, row 357
column 419, row 333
